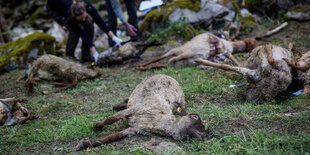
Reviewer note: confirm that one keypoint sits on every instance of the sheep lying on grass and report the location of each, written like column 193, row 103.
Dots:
column 156, row 106
column 117, row 55
column 265, row 70
column 50, row 67
column 206, row 46
column 12, row 112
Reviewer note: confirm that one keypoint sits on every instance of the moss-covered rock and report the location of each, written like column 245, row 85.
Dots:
column 22, row 51
column 300, row 8
column 298, row 12
column 159, row 18
column 236, row 6
column 247, row 23
column 189, row 32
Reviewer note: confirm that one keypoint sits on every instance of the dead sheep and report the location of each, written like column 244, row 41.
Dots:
column 119, row 54
column 50, row 67
column 12, row 112
column 156, row 106
column 265, row 70
column 206, row 46
column 302, row 66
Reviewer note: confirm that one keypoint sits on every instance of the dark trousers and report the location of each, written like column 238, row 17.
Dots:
column 73, row 38
column 112, row 18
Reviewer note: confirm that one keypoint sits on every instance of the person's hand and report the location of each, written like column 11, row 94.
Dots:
column 94, row 52
column 117, row 40
column 131, row 29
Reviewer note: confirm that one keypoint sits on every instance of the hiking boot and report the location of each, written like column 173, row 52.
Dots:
column 70, row 54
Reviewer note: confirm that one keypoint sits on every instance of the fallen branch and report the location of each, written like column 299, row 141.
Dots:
column 272, row 32
column 234, row 60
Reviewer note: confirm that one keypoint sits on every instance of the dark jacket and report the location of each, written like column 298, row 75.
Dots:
column 60, row 12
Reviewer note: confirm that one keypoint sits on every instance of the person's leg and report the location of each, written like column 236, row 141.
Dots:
column 132, row 14
column 73, row 40
column 88, row 26
column 112, row 21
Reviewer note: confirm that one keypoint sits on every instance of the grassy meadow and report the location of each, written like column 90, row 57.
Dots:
column 234, row 126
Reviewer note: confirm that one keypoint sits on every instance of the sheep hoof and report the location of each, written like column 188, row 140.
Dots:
column 80, row 146
column 98, row 127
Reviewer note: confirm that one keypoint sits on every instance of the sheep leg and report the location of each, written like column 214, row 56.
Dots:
column 179, row 57
column 74, row 82
column 111, row 138
column 112, row 119
column 16, row 106
column 153, row 61
column 30, row 83
column 143, row 68
column 23, row 120
column 234, row 60
column 270, row 58
column 121, row 106
column 62, row 84
column 252, row 74
column 172, row 52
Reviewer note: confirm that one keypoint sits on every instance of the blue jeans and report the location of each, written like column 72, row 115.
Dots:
column 112, row 18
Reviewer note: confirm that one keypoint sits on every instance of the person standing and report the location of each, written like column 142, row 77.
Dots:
column 78, row 16
column 114, row 9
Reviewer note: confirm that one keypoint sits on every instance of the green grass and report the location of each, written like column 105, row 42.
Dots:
column 235, row 126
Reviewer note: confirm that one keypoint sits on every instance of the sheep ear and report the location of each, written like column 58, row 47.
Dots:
column 195, row 117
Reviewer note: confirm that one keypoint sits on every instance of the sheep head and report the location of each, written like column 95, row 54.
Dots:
column 196, row 129
column 191, row 124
